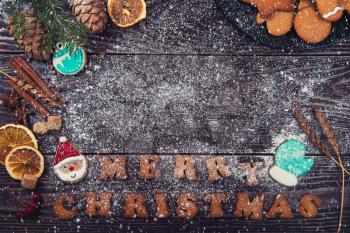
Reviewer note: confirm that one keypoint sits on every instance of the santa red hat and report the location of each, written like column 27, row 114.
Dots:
column 65, row 151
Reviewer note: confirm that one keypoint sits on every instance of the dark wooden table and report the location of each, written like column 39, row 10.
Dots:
column 187, row 81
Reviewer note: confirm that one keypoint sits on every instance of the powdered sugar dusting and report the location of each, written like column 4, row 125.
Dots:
column 175, row 104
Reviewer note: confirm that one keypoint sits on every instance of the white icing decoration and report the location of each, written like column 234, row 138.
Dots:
column 69, row 62
column 283, row 177
column 333, row 12
column 75, row 176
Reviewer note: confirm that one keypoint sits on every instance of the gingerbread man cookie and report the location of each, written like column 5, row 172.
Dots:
column 267, row 8
column 304, row 3
column 345, row 4
column 310, row 26
column 330, row 10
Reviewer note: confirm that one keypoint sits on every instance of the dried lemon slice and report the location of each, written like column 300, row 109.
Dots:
column 125, row 13
column 12, row 136
column 24, row 160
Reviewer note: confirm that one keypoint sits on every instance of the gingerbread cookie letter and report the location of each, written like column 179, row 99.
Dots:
column 186, row 206
column 252, row 210
column 309, row 205
column 217, row 168
column 148, row 167
column 162, row 209
column 60, row 211
column 98, row 204
column 216, row 200
column 250, row 172
column 304, row 3
column 280, row 207
column 185, row 167
column 134, row 204
column 345, row 4
column 113, row 169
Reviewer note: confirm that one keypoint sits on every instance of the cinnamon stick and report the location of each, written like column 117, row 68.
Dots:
column 30, row 100
column 40, row 83
column 32, row 90
column 22, row 74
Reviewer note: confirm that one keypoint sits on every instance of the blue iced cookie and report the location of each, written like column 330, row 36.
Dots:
column 69, row 61
column 290, row 163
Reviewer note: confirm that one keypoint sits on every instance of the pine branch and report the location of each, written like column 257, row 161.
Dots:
column 60, row 28
column 18, row 20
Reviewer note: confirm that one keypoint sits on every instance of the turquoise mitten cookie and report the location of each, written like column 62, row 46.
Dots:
column 290, row 163
column 69, row 61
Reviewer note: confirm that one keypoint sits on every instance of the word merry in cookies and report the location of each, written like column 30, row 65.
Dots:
column 185, row 168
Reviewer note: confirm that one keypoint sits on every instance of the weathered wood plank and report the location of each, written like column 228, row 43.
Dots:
column 324, row 174
column 195, row 104
column 178, row 27
column 323, row 180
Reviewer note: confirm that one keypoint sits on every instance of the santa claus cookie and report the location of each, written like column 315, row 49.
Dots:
column 69, row 165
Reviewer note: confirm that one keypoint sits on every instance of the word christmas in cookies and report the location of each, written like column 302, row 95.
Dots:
column 187, row 205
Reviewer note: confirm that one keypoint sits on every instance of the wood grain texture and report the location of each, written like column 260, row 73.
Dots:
column 323, row 180
column 196, row 104
column 187, row 81
column 178, row 27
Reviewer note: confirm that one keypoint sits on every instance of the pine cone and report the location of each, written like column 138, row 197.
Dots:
column 32, row 39
column 92, row 13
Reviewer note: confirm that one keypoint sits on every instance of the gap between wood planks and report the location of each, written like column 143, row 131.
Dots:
column 186, row 153
column 269, row 54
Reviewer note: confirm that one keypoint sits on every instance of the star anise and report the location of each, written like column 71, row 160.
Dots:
column 10, row 100
column 22, row 113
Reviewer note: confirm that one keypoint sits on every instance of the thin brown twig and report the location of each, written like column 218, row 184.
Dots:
column 327, row 130
column 313, row 137
column 310, row 133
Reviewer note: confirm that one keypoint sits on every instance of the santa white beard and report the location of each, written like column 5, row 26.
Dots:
column 72, row 176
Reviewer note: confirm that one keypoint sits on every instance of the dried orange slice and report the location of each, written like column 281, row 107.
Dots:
column 24, row 160
column 125, row 13
column 12, row 136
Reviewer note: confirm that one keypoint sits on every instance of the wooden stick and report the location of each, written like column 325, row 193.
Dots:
column 27, row 87
column 30, row 100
